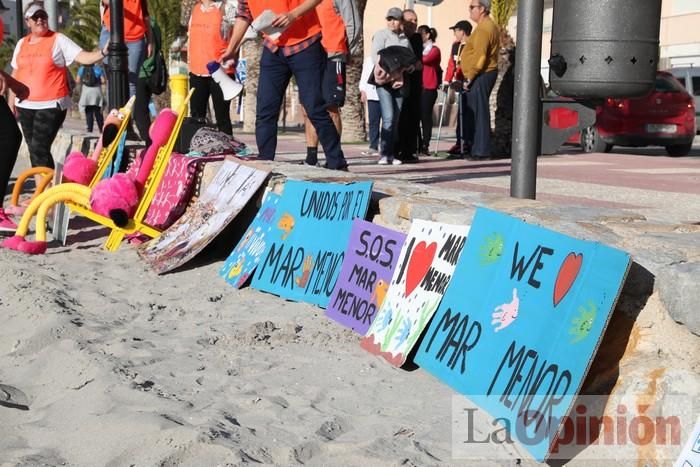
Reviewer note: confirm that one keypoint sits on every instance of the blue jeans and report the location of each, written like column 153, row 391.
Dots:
column 136, row 55
column 477, row 122
column 275, row 72
column 375, row 116
column 390, row 104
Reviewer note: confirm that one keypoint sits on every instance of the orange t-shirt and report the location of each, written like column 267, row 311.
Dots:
column 303, row 28
column 134, row 22
column 36, row 68
column 334, row 39
column 206, row 43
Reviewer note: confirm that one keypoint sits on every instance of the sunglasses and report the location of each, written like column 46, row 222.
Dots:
column 39, row 15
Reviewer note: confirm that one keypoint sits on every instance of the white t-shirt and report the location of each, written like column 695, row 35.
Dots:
column 64, row 53
column 369, row 89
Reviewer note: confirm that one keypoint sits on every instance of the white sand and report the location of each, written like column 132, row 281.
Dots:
column 123, row 367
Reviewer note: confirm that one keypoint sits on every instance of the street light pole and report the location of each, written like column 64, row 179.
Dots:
column 527, row 120
column 19, row 19
column 118, row 83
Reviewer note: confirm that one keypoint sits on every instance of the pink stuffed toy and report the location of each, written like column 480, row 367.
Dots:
column 119, row 196
column 80, row 169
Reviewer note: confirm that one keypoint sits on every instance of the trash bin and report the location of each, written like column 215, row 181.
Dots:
column 604, row 48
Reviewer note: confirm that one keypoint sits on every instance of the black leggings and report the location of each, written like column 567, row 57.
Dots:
column 205, row 86
column 40, row 127
column 141, row 114
column 427, row 103
column 94, row 113
column 10, row 138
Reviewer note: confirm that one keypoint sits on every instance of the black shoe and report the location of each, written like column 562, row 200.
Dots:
column 343, row 168
column 409, row 159
column 457, row 156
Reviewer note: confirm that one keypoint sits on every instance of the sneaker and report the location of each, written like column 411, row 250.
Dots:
column 370, row 152
column 384, row 160
column 7, row 225
column 396, row 162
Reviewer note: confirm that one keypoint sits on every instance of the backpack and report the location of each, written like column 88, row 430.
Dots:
column 154, row 68
column 88, row 78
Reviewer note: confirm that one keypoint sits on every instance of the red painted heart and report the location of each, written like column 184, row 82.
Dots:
column 568, row 272
column 418, row 265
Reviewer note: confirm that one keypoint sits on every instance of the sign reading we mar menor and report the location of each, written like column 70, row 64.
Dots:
column 520, row 322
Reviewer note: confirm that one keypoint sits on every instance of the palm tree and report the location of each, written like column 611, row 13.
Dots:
column 354, row 111
column 167, row 15
column 6, row 50
column 501, row 102
column 85, row 24
column 252, row 51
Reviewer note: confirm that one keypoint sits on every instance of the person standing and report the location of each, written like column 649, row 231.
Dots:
column 11, row 139
column 462, row 30
column 368, row 95
column 390, row 96
column 137, row 36
column 409, row 120
column 341, row 28
column 40, row 61
column 297, row 52
column 91, row 78
column 480, row 68
column 431, row 81
column 206, row 44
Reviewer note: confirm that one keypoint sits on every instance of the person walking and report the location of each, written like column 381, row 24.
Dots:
column 480, row 68
column 91, row 78
column 368, row 96
column 431, row 81
column 341, row 28
column 206, row 44
column 390, row 95
column 40, row 61
column 453, row 78
column 292, row 48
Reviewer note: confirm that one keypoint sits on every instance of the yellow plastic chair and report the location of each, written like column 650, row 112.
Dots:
column 103, row 161
column 77, row 198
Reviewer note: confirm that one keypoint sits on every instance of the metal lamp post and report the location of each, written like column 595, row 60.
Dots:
column 118, row 55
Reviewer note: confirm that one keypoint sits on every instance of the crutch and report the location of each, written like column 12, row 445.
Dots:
column 442, row 116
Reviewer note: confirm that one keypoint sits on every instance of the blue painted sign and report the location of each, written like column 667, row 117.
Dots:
column 245, row 257
column 242, row 70
column 521, row 321
column 303, row 259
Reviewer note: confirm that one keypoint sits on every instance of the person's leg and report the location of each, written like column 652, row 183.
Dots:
column 90, row 117
column 397, row 102
column 272, row 84
column 427, row 103
column 200, row 97
column 480, row 94
column 311, row 139
column 99, row 118
column 141, row 114
column 47, row 122
column 307, row 68
column 222, row 108
column 386, row 105
column 375, row 116
column 11, row 139
column 137, row 54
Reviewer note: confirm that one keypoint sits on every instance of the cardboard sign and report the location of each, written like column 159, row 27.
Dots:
column 370, row 259
column 428, row 259
column 521, row 321
column 245, row 257
column 229, row 191
column 313, row 229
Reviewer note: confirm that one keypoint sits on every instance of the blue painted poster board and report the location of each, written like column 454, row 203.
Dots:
column 303, row 260
column 521, row 321
column 245, row 257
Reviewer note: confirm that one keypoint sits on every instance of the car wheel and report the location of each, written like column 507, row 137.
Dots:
column 678, row 150
column 592, row 142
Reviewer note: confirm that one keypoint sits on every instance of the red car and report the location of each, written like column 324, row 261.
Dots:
column 665, row 117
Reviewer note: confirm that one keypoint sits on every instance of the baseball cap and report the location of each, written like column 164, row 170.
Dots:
column 462, row 25
column 394, row 12
column 33, row 8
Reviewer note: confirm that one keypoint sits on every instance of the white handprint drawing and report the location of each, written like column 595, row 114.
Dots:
column 506, row 313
